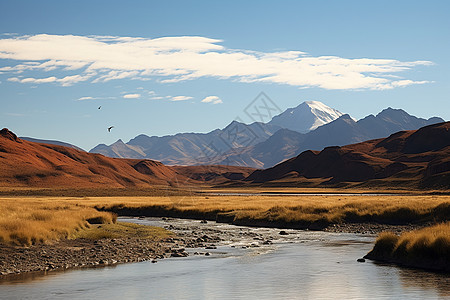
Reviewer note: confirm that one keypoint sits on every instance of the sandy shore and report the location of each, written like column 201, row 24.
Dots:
column 83, row 253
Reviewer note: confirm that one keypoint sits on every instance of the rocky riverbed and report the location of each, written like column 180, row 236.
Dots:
column 372, row 228
column 82, row 253
column 85, row 253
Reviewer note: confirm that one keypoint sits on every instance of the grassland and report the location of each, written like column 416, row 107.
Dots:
column 28, row 220
column 290, row 211
column 427, row 248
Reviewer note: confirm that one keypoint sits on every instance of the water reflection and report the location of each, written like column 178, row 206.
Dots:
column 301, row 265
column 417, row 279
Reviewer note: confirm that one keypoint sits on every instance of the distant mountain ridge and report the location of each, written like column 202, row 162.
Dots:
column 310, row 125
column 204, row 148
column 285, row 144
column 189, row 148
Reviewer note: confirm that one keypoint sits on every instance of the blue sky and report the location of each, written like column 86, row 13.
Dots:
column 149, row 64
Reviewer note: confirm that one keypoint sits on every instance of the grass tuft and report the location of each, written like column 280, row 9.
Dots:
column 122, row 230
column 426, row 247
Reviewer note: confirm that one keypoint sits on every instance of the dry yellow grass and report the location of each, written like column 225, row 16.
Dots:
column 427, row 247
column 122, row 229
column 26, row 220
column 392, row 209
column 434, row 239
column 29, row 221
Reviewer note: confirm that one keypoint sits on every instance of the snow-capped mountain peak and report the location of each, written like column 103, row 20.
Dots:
column 324, row 113
column 306, row 117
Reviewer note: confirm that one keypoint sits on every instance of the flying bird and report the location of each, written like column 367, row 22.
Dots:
column 99, row 107
column 109, row 128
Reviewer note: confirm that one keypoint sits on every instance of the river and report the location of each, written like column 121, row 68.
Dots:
column 299, row 265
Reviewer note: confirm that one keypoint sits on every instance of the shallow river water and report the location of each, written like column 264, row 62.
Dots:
column 300, row 265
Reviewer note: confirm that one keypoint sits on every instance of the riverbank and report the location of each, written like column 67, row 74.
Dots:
column 88, row 252
column 95, row 249
column 80, row 253
column 426, row 248
column 365, row 214
column 307, row 212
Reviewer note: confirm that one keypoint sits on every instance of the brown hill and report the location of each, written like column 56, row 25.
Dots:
column 414, row 159
column 29, row 164
column 24, row 163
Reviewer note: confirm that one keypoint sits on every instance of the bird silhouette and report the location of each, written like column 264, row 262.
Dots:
column 109, row 128
column 99, row 107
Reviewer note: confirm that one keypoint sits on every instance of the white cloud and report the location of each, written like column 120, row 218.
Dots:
column 174, row 59
column 212, row 99
column 86, row 98
column 65, row 81
column 180, row 98
column 95, row 98
column 132, row 96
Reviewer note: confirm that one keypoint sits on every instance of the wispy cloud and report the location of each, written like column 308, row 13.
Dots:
column 158, row 97
column 94, row 98
column 132, row 96
column 174, row 59
column 212, row 99
column 179, row 98
column 65, row 81
column 86, row 98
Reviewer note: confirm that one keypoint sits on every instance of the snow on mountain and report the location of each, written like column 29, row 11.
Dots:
column 306, row 117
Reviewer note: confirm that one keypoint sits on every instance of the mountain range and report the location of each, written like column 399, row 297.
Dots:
column 311, row 125
column 344, row 130
column 409, row 159
column 207, row 148
column 413, row 160
column 190, row 148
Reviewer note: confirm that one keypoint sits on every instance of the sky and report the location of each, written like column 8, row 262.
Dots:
column 71, row 69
